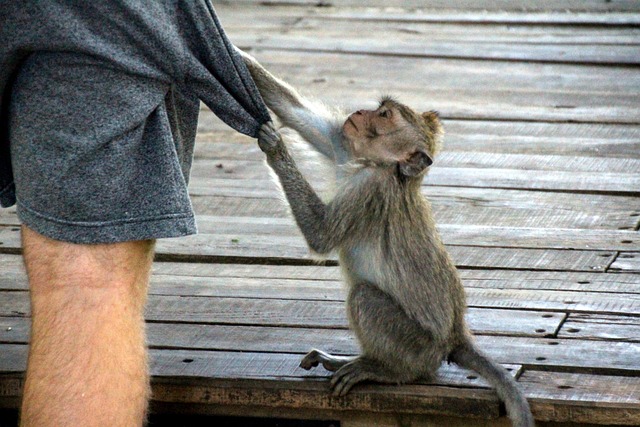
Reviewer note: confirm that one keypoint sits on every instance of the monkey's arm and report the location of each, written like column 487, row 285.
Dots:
column 309, row 211
column 313, row 121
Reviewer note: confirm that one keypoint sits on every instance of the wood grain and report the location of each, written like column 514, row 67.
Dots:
column 598, row 326
column 473, row 5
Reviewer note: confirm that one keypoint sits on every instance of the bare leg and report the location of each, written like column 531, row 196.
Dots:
column 87, row 360
column 329, row 362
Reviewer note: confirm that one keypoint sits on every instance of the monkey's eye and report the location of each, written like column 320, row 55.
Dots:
column 385, row 114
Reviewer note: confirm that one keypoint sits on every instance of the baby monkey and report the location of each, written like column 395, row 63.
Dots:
column 405, row 301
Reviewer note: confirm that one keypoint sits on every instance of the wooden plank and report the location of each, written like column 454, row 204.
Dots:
column 601, row 327
column 14, row 330
column 612, row 183
column 450, row 205
column 555, row 300
column 473, row 5
column 295, row 314
column 465, row 176
column 277, row 249
column 543, row 280
column 277, row 339
column 235, row 15
column 602, row 29
column 598, row 140
column 13, row 359
column 581, row 398
column 13, row 269
column 324, row 283
column 567, row 139
column 218, row 158
column 569, row 355
column 628, row 262
column 420, row 46
column 282, row 249
column 489, row 279
column 331, row 314
column 573, row 19
column 264, row 379
column 310, row 394
column 382, row 420
column 497, row 91
column 452, row 234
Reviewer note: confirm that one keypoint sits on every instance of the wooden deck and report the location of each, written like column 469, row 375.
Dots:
column 536, row 194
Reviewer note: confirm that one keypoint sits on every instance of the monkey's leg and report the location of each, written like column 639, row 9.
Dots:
column 329, row 362
column 396, row 348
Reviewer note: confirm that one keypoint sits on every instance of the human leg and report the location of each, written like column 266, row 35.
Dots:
column 87, row 360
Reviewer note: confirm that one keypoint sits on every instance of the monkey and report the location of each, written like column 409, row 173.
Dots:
column 405, row 302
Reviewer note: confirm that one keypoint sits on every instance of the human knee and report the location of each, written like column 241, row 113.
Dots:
column 53, row 263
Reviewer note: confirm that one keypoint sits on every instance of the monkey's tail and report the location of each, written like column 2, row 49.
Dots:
column 469, row 356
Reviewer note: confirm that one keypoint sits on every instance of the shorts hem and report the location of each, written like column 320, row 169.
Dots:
column 94, row 232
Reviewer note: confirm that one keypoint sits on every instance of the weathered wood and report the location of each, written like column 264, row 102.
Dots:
column 573, row 19
column 297, row 313
column 491, row 279
column 563, row 180
column 580, row 398
column 226, row 159
column 542, row 280
column 495, row 92
column 474, row 5
column 292, row 250
column 400, row 420
column 533, row 138
column 413, row 44
column 406, row 28
column 453, row 235
column 224, row 197
column 601, row 327
column 234, row 16
column 628, row 262
column 572, row 355
column 325, row 282
column 275, row 380
column 550, row 273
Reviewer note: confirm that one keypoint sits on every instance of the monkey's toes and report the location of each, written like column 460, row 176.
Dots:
column 346, row 377
column 311, row 360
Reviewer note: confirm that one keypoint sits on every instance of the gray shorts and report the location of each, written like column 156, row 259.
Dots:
column 100, row 156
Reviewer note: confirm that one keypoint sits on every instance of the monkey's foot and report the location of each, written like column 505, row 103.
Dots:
column 329, row 362
column 357, row 371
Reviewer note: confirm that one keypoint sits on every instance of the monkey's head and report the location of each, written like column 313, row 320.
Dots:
column 394, row 133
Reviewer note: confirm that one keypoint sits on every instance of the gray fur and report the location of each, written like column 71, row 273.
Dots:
column 406, row 302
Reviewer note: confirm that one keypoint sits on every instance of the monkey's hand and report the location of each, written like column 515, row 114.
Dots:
column 270, row 140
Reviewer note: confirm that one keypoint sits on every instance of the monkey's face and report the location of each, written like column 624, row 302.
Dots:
column 393, row 133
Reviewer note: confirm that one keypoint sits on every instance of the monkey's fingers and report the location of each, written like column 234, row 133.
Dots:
column 269, row 138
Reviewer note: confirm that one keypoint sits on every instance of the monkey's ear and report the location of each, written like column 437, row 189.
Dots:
column 413, row 165
column 432, row 120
